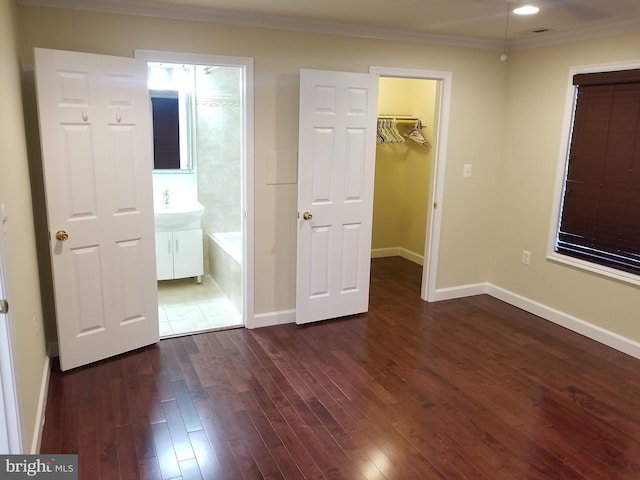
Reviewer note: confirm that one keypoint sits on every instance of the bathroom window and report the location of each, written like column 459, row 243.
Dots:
column 600, row 212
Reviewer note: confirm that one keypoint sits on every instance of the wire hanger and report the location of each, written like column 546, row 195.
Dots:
column 416, row 134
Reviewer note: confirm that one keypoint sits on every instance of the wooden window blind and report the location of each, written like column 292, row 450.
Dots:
column 600, row 218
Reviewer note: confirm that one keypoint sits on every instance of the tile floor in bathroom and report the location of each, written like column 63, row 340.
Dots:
column 185, row 307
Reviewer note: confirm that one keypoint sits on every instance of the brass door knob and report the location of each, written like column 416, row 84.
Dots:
column 307, row 216
column 62, row 235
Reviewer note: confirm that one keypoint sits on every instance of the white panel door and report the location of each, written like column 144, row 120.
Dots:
column 337, row 140
column 95, row 133
column 10, row 435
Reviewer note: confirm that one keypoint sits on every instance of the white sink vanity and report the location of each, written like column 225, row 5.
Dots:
column 179, row 240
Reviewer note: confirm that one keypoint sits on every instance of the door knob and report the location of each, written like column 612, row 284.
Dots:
column 307, row 216
column 62, row 235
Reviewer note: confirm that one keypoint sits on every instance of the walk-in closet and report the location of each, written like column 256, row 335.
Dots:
column 404, row 156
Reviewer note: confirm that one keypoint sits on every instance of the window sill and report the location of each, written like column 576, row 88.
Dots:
column 608, row 272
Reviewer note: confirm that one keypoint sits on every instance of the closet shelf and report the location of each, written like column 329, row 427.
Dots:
column 400, row 118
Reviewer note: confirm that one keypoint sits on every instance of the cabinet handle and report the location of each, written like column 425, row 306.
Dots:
column 169, row 247
column 177, row 249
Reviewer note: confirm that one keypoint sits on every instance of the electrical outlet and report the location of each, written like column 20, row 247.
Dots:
column 526, row 257
column 35, row 325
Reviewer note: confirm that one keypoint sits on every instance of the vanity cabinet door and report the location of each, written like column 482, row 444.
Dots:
column 187, row 253
column 164, row 255
column 179, row 254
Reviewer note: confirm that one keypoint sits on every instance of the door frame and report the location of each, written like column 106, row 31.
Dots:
column 248, row 236
column 10, row 433
column 436, row 178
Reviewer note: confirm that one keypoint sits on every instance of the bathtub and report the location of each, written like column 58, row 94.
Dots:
column 225, row 264
column 231, row 243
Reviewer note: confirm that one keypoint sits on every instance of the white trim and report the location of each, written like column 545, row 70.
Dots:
column 248, row 182
column 385, row 252
column 609, row 272
column 451, row 293
column 561, row 172
column 301, row 24
column 397, row 252
column 436, row 188
column 577, row 325
column 270, row 319
column 42, row 407
column 251, row 19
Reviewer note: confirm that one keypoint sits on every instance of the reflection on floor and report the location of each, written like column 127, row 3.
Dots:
column 185, row 307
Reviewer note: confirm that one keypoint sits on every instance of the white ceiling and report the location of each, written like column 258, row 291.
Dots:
column 478, row 22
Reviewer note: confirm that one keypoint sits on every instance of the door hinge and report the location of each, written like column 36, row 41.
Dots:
column 4, row 306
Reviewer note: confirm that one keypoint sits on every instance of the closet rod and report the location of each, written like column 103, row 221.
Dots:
column 400, row 118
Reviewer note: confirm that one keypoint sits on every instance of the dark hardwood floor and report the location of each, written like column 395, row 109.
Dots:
column 469, row 388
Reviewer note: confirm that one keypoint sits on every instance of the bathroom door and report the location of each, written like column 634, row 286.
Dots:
column 337, row 140
column 10, row 435
column 95, row 134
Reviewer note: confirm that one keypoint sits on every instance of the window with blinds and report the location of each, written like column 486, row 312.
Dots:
column 600, row 213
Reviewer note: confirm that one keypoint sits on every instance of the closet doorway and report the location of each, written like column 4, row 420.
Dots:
column 409, row 173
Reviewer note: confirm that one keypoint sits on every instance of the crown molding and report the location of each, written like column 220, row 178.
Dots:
column 585, row 33
column 227, row 17
column 279, row 22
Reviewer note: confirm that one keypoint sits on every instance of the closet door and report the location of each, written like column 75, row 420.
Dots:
column 337, row 140
column 95, row 133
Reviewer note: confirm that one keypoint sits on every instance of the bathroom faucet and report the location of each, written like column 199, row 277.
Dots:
column 165, row 197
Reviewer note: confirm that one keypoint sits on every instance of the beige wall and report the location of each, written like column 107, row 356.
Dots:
column 476, row 120
column 536, row 95
column 21, row 274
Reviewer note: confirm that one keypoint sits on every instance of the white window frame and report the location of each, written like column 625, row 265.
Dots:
column 561, row 173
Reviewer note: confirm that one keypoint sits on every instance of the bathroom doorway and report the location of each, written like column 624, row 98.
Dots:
column 201, row 109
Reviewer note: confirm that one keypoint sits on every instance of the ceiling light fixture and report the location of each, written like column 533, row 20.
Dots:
column 526, row 10
column 504, row 55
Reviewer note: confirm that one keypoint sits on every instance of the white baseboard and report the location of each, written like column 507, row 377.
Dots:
column 577, row 325
column 589, row 330
column 385, row 252
column 460, row 292
column 397, row 252
column 270, row 319
column 42, row 407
